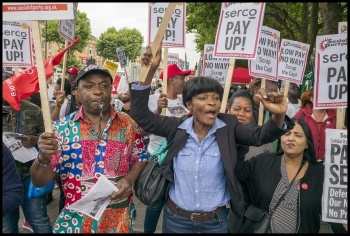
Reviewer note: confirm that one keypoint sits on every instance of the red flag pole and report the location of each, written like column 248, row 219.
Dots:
column 42, row 77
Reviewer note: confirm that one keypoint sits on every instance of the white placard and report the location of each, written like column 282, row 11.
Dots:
column 214, row 67
column 342, row 27
column 266, row 64
column 173, row 58
column 123, row 60
column 292, row 60
column 174, row 35
column 239, row 30
column 67, row 27
column 17, row 44
column 331, row 72
column 37, row 11
column 335, row 190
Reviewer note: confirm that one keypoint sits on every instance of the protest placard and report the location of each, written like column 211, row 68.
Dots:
column 174, row 35
column 214, row 67
column 342, row 27
column 17, row 44
column 37, row 11
column 266, row 64
column 111, row 66
column 331, row 71
column 123, row 60
column 67, row 27
column 292, row 60
column 335, row 190
column 158, row 38
column 173, row 58
column 239, row 29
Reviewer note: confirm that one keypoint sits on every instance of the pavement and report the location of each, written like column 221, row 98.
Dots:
column 140, row 215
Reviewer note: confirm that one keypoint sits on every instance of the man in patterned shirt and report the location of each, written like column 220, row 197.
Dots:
column 93, row 141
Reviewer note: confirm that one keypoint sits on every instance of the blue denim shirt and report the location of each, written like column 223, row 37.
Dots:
column 199, row 175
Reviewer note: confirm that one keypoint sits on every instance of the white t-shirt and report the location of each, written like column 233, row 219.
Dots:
column 63, row 108
column 175, row 108
column 293, row 108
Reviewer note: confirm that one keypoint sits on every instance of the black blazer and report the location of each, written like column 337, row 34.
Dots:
column 227, row 137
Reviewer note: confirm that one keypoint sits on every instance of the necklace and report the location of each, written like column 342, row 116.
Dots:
column 99, row 133
column 200, row 138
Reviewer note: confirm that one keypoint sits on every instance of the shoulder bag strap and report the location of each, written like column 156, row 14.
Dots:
column 290, row 185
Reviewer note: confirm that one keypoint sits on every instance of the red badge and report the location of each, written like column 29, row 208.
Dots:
column 304, row 186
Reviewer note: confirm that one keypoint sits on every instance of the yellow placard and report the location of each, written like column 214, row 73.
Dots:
column 112, row 67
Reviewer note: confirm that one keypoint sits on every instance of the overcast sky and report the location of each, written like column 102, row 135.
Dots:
column 131, row 15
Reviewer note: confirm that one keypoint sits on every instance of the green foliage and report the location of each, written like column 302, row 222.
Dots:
column 203, row 19
column 82, row 31
column 241, row 63
column 129, row 39
column 73, row 61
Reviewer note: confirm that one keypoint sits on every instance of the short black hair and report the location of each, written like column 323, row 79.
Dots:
column 241, row 93
column 309, row 152
column 67, row 87
column 199, row 85
column 35, row 98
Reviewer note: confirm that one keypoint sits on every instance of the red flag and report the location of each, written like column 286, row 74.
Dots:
column 26, row 83
column 115, row 84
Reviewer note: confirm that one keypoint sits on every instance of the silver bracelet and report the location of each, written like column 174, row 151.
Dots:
column 42, row 164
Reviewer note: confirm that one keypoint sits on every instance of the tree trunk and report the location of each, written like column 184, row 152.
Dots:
column 304, row 22
column 331, row 14
column 314, row 28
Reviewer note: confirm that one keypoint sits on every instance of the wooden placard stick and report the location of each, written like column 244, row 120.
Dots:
column 340, row 118
column 286, row 88
column 63, row 80
column 261, row 106
column 42, row 77
column 227, row 85
column 158, row 38
column 165, row 76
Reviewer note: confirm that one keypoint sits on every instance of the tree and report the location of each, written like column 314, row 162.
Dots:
column 203, row 19
column 129, row 39
column 82, row 31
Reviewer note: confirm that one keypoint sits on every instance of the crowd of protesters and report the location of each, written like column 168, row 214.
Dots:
column 91, row 137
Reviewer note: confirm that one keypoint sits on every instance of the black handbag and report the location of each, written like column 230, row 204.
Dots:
column 257, row 220
column 150, row 187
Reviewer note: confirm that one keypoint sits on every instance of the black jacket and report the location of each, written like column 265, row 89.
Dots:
column 227, row 137
column 263, row 173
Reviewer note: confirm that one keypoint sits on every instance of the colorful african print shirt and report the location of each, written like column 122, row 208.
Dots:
column 83, row 158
